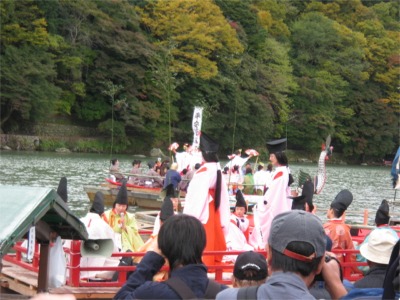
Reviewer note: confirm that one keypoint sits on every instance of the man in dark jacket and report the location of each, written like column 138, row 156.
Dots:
column 181, row 240
column 377, row 251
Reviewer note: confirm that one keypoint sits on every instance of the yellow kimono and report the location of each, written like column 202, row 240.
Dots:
column 130, row 238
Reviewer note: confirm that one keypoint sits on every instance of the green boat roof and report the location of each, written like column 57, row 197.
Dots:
column 22, row 206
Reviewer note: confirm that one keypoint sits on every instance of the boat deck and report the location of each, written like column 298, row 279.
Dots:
column 24, row 282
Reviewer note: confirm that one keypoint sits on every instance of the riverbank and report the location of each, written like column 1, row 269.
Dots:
column 101, row 145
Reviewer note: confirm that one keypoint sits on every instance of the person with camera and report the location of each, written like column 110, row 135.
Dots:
column 181, row 242
column 296, row 254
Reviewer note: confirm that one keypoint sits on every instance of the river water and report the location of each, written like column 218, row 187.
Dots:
column 369, row 184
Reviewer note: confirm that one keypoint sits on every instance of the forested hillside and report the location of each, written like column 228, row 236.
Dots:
column 261, row 69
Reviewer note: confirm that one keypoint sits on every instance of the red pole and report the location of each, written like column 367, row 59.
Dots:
column 74, row 263
column 36, row 255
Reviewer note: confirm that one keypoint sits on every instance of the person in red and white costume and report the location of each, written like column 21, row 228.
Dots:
column 276, row 199
column 207, row 199
column 239, row 226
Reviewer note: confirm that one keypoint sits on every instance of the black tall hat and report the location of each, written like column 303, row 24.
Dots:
column 308, row 193
column 62, row 189
column 240, row 202
column 342, row 200
column 122, row 196
column 207, row 144
column 299, row 202
column 98, row 204
column 382, row 214
column 276, row 145
column 167, row 209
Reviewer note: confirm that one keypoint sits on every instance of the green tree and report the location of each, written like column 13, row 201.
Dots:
column 377, row 23
column 27, row 68
column 199, row 32
column 328, row 58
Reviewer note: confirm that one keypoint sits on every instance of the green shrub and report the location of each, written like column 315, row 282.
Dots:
column 51, row 144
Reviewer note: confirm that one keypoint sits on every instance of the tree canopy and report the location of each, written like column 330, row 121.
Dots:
column 261, row 69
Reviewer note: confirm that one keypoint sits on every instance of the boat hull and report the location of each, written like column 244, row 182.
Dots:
column 141, row 198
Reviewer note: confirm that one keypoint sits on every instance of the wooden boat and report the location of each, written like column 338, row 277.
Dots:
column 23, row 277
column 141, row 196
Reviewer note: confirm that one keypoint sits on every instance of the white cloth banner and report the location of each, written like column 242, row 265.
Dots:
column 31, row 243
column 196, row 126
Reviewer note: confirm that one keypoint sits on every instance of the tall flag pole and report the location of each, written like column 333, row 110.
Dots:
column 395, row 174
column 196, row 126
column 395, row 170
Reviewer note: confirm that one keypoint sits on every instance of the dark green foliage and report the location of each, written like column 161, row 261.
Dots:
column 308, row 69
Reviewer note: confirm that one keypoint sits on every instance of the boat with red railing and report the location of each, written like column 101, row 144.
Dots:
column 21, row 276
column 36, row 206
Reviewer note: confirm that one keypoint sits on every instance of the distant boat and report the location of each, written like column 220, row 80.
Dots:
column 141, row 196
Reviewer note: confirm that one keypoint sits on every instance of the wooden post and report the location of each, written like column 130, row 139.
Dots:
column 43, row 278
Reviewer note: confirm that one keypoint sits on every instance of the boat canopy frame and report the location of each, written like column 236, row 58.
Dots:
column 22, row 207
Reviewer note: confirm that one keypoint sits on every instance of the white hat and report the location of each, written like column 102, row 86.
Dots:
column 379, row 246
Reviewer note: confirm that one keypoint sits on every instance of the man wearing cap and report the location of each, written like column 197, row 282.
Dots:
column 382, row 218
column 239, row 226
column 250, row 269
column 377, row 251
column 296, row 252
column 123, row 223
column 98, row 229
column 276, row 199
column 207, row 199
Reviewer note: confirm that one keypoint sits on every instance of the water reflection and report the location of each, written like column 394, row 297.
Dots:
column 369, row 185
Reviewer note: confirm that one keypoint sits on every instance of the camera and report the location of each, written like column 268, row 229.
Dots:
column 319, row 277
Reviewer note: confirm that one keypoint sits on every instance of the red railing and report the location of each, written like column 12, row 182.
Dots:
column 74, row 269
column 348, row 264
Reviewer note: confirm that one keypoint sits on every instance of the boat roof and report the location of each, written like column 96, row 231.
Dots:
column 22, row 207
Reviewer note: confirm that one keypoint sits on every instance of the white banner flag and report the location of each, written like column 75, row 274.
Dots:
column 196, row 125
column 31, row 243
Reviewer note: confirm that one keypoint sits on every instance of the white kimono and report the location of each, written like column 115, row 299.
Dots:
column 237, row 161
column 236, row 239
column 198, row 196
column 275, row 201
column 184, row 160
column 97, row 228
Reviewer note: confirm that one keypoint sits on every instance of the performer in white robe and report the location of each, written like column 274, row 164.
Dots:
column 276, row 199
column 184, row 158
column 238, row 227
column 207, row 199
column 237, row 160
column 97, row 228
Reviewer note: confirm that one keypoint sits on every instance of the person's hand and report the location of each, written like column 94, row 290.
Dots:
column 122, row 221
column 331, row 274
